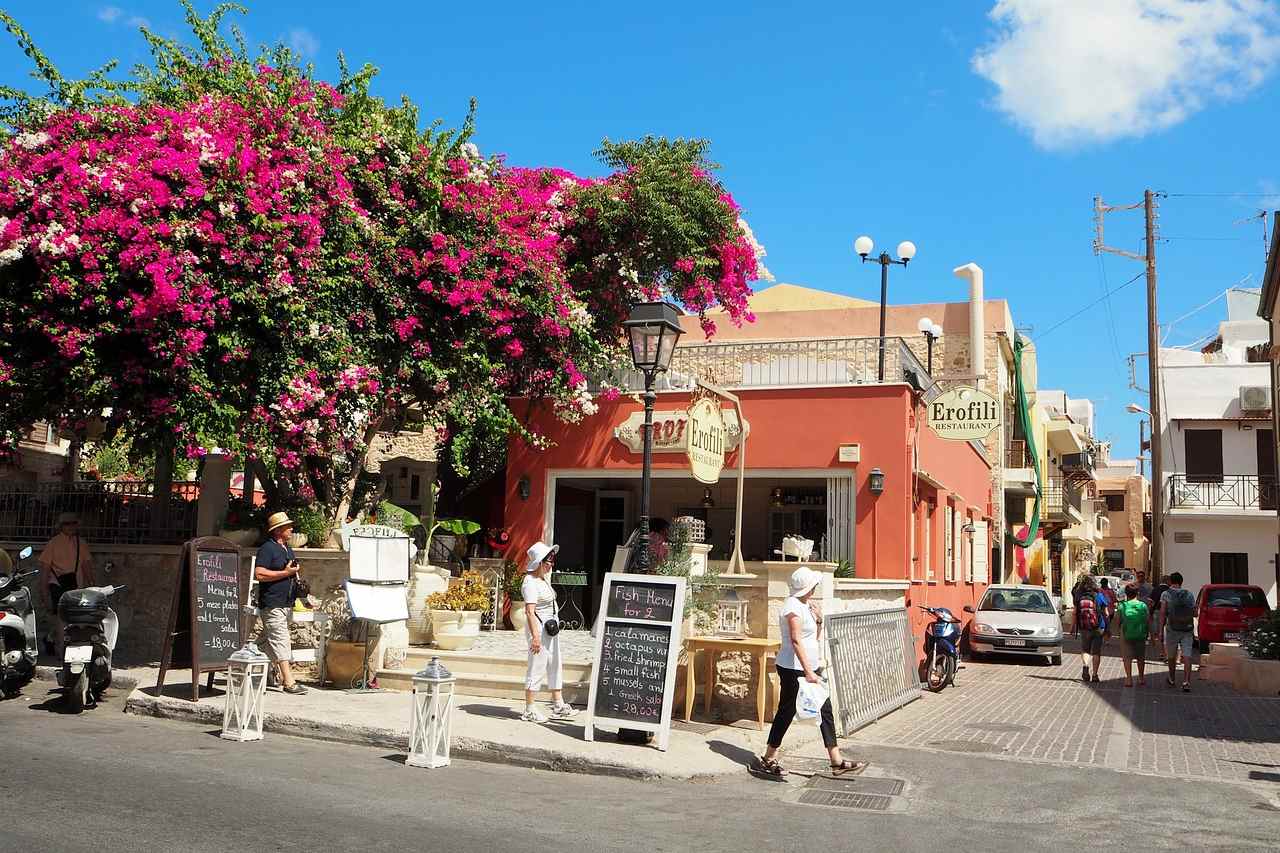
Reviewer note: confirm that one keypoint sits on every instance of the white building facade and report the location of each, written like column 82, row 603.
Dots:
column 1218, row 456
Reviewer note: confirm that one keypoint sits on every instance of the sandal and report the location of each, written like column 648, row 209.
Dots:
column 1169, row 681
column 770, row 766
column 848, row 767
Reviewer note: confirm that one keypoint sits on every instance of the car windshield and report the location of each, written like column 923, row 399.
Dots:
column 1238, row 598
column 1017, row 600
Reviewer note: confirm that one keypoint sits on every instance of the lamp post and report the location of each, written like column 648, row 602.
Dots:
column 931, row 331
column 652, row 332
column 906, row 251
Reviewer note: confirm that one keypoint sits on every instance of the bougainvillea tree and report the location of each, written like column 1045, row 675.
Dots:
column 222, row 251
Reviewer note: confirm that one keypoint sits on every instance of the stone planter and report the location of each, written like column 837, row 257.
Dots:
column 343, row 662
column 297, row 540
column 1256, row 677
column 455, row 630
column 519, row 618
column 425, row 581
column 244, row 537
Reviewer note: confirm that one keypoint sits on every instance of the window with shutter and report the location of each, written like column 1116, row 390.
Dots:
column 1204, row 455
column 981, row 552
column 948, row 563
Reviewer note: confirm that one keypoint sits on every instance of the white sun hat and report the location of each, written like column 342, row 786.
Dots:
column 803, row 579
column 538, row 552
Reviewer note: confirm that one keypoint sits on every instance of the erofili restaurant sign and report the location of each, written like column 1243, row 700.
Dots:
column 707, row 440
column 964, row 414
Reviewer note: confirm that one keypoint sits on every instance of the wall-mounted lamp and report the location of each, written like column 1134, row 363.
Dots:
column 523, row 488
column 875, row 481
column 775, row 497
column 969, row 529
column 707, row 500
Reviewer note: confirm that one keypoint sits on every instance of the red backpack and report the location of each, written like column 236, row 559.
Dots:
column 1087, row 614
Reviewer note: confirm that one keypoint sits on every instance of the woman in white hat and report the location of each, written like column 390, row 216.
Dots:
column 800, row 622
column 544, row 649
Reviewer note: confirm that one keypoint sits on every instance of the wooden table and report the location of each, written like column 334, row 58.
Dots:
column 758, row 649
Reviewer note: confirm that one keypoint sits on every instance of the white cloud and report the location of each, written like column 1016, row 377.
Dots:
column 1091, row 71
column 110, row 14
column 303, row 42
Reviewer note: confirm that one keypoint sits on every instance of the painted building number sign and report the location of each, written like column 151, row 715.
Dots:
column 964, row 414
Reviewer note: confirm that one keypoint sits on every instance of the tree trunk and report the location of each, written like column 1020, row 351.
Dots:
column 349, row 488
column 162, row 497
column 269, row 490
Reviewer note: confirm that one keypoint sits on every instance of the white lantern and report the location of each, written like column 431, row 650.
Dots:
column 246, row 687
column 432, row 722
column 731, row 615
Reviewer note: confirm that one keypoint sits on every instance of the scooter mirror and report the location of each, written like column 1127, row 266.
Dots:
column 25, row 553
column 968, row 609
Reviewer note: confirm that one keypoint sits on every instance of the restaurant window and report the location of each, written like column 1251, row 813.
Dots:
column 1115, row 502
column 1204, row 455
column 1228, row 568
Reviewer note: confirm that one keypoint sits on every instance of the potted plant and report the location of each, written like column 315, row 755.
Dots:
column 456, row 612
column 312, row 525
column 343, row 656
column 513, row 582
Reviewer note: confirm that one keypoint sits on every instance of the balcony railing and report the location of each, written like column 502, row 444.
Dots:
column 1059, row 499
column 1231, row 491
column 782, row 364
column 1016, row 454
column 110, row 511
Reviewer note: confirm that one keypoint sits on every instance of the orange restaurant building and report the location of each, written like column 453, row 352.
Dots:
column 818, row 422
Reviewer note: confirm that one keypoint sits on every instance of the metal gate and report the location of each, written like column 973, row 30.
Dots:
column 872, row 666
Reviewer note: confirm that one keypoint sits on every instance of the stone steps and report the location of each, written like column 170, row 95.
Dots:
column 494, row 676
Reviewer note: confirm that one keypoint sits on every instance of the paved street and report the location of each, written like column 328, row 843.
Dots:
column 1032, row 711
column 125, row 783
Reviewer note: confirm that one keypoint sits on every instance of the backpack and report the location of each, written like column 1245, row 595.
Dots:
column 1133, row 619
column 1182, row 610
column 1087, row 614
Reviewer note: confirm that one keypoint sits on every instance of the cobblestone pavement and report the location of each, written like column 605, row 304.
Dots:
column 1032, row 711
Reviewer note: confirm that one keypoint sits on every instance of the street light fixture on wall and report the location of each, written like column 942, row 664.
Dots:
column 931, row 331
column 906, row 251
column 875, row 481
column 1144, row 443
column 652, row 332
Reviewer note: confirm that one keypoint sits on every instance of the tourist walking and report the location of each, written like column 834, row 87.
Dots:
column 1177, row 620
column 800, row 657
column 544, row 663
column 275, row 569
column 65, row 564
column 1093, row 613
column 1135, row 623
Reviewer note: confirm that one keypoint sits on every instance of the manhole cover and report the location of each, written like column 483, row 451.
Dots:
column 842, row 800
column 1001, row 728
column 859, row 785
column 966, row 746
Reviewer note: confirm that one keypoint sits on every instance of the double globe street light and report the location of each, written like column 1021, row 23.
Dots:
column 931, row 331
column 906, row 251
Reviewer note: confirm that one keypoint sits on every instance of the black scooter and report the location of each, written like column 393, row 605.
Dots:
column 17, row 630
column 89, row 632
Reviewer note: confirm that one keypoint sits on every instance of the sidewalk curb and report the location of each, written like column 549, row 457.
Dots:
column 473, row 749
column 118, row 682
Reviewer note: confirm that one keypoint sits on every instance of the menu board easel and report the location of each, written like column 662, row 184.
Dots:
column 638, row 644
column 204, row 618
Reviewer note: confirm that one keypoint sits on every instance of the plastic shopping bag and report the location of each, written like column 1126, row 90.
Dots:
column 810, row 700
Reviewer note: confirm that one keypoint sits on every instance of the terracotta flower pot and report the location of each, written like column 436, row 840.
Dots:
column 343, row 662
column 455, row 630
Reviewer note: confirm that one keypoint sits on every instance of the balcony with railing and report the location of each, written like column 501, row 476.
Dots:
column 110, row 511
column 1226, row 493
column 1061, row 502
column 819, row 362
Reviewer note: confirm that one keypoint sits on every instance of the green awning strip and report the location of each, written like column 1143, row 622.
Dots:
column 1024, row 417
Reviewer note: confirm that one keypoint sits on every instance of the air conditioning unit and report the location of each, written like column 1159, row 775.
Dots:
column 1255, row 398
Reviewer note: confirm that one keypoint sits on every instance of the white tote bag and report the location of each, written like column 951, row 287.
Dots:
column 810, row 700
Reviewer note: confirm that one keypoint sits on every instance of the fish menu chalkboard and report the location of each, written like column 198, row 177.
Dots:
column 638, row 639
column 204, row 618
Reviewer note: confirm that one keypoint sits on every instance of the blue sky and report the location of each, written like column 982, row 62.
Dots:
column 981, row 137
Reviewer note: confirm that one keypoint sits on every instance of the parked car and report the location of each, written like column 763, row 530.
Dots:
column 1224, row 610
column 1124, row 576
column 1016, row 620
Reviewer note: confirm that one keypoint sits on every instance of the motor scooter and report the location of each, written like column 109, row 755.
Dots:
column 941, row 648
column 17, row 630
column 90, row 629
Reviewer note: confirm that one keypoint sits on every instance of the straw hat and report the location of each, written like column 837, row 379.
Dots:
column 278, row 519
column 802, row 580
column 538, row 552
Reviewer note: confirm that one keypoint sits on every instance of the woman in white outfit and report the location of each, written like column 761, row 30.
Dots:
column 544, row 650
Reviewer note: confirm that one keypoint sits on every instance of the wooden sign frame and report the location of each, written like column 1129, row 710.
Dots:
column 662, row 729
column 187, row 583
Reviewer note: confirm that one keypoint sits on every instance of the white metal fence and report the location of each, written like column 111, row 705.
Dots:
column 872, row 666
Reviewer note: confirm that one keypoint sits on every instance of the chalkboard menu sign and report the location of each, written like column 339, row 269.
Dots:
column 638, row 641
column 204, row 618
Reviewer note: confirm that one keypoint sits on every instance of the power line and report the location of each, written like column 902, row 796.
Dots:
column 1111, row 317
column 1071, row 317
column 1219, row 195
column 1211, row 239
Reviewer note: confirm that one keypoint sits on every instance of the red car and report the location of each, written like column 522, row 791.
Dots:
column 1223, row 610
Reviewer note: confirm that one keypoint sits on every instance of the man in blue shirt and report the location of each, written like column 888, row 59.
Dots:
column 275, row 569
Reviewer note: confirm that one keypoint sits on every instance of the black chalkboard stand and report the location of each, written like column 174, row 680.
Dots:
column 182, row 639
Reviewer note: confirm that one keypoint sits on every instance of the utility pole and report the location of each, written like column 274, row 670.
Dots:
column 1148, row 206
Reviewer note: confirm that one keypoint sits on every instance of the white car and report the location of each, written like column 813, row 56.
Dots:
column 1016, row 620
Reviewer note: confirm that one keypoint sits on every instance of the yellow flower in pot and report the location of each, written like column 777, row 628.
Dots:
column 456, row 611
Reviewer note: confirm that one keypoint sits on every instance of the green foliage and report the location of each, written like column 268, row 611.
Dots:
column 469, row 592
column 313, row 522
column 243, row 514
column 1263, row 639
column 844, row 569
column 395, row 517
column 512, row 580
column 701, row 591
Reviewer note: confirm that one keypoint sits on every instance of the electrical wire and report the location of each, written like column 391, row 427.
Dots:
column 1111, row 317
column 1169, row 326
column 1071, row 317
column 1219, row 195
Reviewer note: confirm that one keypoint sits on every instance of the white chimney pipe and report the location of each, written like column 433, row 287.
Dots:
column 977, row 336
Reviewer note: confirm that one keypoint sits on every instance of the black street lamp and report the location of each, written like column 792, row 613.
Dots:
column 931, row 331
column 652, row 332
column 906, row 251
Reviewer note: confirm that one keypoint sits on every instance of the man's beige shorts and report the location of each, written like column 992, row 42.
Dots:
column 273, row 633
